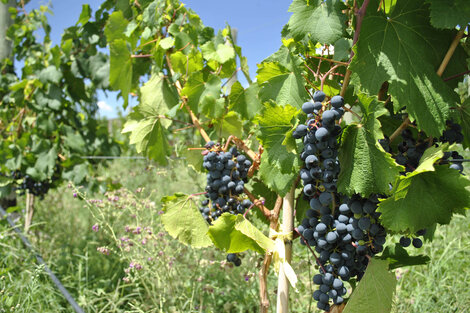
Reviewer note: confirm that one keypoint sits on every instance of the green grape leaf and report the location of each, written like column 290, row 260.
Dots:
column 425, row 197
column 233, row 234
column 374, row 293
column 115, row 27
column 85, row 15
column 449, row 13
column 74, row 140
column 201, row 89
column 273, row 177
column 221, row 54
column 77, row 174
column 245, row 101
column 183, row 221
column 464, row 114
column 230, row 124
column 365, row 166
column 186, row 64
column 167, row 43
column 44, row 166
column 397, row 256
column 342, row 49
column 120, row 76
column 322, row 21
column 280, row 84
column 156, row 98
column 388, row 51
column 276, row 124
column 50, row 74
column 149, row 137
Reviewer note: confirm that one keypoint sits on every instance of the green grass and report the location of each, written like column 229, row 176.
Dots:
column 179, row 278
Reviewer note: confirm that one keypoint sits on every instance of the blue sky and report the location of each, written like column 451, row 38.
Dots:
column 259, row 24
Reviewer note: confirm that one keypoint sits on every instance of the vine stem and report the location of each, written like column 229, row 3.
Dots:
column 141, row 55
column 185, row 104
column 325, row 76
column 287, row 227
column 450, row 52
column 329, row 60
column 456, row 75
column 259, row 204
column 311, row 250
column 263, row 272
column 360, row 17
column 400, row 128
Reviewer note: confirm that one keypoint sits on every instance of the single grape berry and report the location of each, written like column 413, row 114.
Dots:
column 319, row 96
column 405, row 242
column 308, row 107
column 417, row 243
column 337, row 102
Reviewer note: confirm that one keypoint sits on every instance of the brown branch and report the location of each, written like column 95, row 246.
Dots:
column 455, row 76
column 263, row 283
column 352, row 112
column 329, row 60
column 194, row 118
column 450, row 52
column 259, row 204
column 345, row 83
column 360, row 17
column 400, row 128
column 313, row 72
column 325, row 76
column 141, row 55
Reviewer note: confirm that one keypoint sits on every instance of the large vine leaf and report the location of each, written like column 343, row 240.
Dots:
column 397, row 256
column 449, row 13
column 183, row 221
column 365, row 167
column 322, row 21
column 202, row 90
column 426, row 196
column 276, row 124
column 464, row 114
column 280, row 79
column 116, row 26
column 149, row 137
column 405, row 50
column 374, row 293
column 274, row 178
column 120, row 75
column 156, row 97
column 234, row 233
column 245, row 101
column 221, row 53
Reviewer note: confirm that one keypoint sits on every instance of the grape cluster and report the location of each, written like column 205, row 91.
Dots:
column 28, row 184
column 405, row 241
column 410, row 150
column 228, row 173
column 452, row 134
column 343, row 231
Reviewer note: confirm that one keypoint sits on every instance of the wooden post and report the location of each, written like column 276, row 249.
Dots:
column 29, row 211
column 287, row 227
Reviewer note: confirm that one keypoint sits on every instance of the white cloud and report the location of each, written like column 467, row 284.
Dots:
column 104, row 106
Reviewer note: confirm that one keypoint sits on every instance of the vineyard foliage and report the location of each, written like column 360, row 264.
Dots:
column 390, row 60
column 48, row 112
